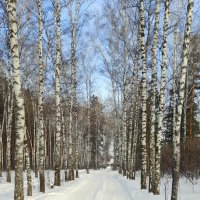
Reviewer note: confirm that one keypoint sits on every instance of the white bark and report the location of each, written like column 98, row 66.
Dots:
column 28, row 168
column 161, row 101
column 57, row 96
column 175, row 72
column 144, row 98
column 88, row 124
column 36, row 133
column 20, row 121
column 73, row 101
column 176, row 137
column 40, row 104
column 136, row 89
column 153, row 100
column 124, row 91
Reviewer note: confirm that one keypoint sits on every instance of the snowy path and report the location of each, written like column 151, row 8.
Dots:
column 100, row 185
column 104, row 186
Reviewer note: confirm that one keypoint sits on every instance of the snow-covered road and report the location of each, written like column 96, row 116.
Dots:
column 100, row 185
column 104, row 186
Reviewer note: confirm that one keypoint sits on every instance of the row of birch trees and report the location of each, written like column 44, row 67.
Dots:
column 148, row 58
column 50, row 119
column 43, row 125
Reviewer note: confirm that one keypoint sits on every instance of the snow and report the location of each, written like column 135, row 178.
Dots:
column 102, row 185
column 111, row 161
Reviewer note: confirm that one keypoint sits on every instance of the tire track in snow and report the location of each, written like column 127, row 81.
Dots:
column 99, row 185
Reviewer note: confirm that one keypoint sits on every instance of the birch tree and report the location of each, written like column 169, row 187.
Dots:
column 40, row 104
column 153, row 98
column 88, row 84
column 124, row 89
column 161, row 101
column 144, row 97
column 136, row 89
column 9, row 116
column 28, row 167
column 73, row 98
column 57, row 95
column 36, row 134
column 20, row 121
column 1, row 135
column 176, row 136
column 174, row 89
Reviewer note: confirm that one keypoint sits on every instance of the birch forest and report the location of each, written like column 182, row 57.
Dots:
column 104, row 87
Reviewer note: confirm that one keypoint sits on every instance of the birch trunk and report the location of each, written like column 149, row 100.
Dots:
column 74, row 43
column 161, row 101
column 36, row 127
column 185, row 107
column 135, row 136
column 124, row 143
column 71, row 169
column 175, row 72
column 32, row 131
column 133, row 115
column 76, row 141
column 1, row 133
column 40, row 104
column 176, row 137
column 88, row 125
column 73, row 103
column 144, row 98
column 66, row 131
column 130, row 134
column 136, row 87
column 57, row 94
column 20, row 121
column 28, row 167
column 153, row 100
column 65, row 143
column 9, row 120
column 124, row 91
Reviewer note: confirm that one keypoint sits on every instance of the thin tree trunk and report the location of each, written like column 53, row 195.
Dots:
column 144, row 99
column 124, row 90
column 161, row 101
column 66, row 131
column 88, row 125
column 176, row 137
column 191, row 108
column 76, row 142
column 124, row 143
column 136, row 86
column 36, row 127
column 185, row 108
column 28, row 167
column 57, row 94
column 73, row 101
column 40, row 104
column 153, row 100
column 1, row 134
column 9, row 120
